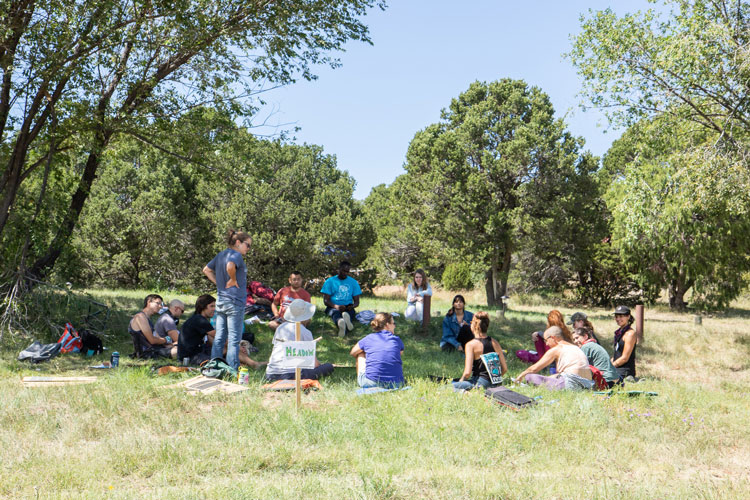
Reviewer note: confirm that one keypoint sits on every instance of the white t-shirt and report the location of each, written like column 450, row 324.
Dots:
column 284, row 333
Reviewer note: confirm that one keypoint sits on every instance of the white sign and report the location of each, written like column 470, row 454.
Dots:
column 295, row 354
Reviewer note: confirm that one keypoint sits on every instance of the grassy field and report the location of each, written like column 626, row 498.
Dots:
column 126, row 436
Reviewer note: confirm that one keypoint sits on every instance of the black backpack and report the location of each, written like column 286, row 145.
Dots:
column 90, row 342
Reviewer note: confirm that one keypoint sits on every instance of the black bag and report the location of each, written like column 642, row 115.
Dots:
column 91, row 342
column 36, row 352
column 506, row 397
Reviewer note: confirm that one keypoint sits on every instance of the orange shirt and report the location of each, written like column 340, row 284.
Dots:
column 285, row 296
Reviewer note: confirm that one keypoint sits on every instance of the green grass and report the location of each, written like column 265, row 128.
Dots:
column 126, row 436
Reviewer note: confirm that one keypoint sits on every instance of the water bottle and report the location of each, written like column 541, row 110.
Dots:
column 115, row 359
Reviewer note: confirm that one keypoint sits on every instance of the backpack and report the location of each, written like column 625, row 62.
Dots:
column 218, row 368
column 36, row 352
column 599, row 381
column 70, row 341
column 91, row 342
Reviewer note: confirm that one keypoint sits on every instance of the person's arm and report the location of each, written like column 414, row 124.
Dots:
column 232, row 273
column 548, row 358
column 411, row 297
column 449, row 335
column 501, row 355
column 145, row 328
column 627, row 349
column 468, row 361
column 275, row 305
column 356, row 350
column 210, row 274
column 328, row 303
column 355, row 302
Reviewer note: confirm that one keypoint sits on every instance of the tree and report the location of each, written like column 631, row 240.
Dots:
column 497, row 162
column 154, row 219
column 691, row 63
column 75, row 75
column 677, row 218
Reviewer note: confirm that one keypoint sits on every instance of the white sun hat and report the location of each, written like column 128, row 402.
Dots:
column 299, row 310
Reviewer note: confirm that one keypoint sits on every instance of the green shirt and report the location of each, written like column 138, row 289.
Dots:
column 599, row 358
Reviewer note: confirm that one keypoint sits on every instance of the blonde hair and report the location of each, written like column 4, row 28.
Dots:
column 380, row 321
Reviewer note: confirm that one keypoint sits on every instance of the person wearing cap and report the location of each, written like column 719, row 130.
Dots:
column 341, row 297
column 580, row 320
column 597, row 355
column 625, row 343
column 298, row 311
column 573, row 370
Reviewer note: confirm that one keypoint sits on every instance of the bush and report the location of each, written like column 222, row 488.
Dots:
column 457, row 276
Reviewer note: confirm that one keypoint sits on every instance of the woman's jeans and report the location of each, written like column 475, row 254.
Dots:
column 468, row 385
column 229, row 316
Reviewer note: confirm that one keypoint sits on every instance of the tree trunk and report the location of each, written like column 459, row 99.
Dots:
column 677, row 290
column 45, row 263
column 489, row 287
column 505, row 271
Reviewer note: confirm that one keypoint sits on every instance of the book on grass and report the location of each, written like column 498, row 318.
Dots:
column 492, row 362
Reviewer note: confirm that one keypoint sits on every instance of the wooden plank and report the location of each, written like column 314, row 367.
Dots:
column 55, row 381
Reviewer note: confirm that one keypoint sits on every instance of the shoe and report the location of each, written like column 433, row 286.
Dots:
column 342, row 327
column 348, row 321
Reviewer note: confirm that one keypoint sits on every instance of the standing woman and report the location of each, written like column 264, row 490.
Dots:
column 456, row 326
column 228, row 271
column 625, row 342
column 415, row 294
column 475, row 372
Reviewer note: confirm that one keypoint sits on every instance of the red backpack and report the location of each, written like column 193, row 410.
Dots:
column 70, row 341
column 596, row 374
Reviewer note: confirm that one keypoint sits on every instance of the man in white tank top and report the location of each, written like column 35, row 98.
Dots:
column 573, row 370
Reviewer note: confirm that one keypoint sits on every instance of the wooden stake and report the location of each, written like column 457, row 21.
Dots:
column 639, row 323
column 298, row 370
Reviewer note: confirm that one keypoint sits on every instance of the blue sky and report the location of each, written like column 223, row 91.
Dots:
column 425, row 53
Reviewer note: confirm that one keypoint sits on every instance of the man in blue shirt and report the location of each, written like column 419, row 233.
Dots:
column 341, row 297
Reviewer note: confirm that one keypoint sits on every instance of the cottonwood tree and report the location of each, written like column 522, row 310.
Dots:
column 678, row 220
column 689, row 63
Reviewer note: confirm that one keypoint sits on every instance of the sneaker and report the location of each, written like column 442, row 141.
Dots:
column 342, row 327
column 348, row 321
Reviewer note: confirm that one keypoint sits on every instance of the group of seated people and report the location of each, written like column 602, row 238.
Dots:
column 576, row 354
column 578, row 357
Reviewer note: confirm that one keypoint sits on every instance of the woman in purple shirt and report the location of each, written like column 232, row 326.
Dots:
column 379, row 355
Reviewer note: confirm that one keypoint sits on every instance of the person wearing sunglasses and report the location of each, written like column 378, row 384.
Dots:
column 573, row 370
column 166, row 325
column 229, row 273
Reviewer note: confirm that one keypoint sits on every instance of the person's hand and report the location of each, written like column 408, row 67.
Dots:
column 460, row 348
column 535, row 336
column 419, row 298
column 167, row 340
column 232, row 283
column 339, row 308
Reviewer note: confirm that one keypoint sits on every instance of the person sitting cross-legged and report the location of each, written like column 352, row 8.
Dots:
column 166, row 325
column 198, row 333
column 573, row 370
column 298, row 311
column 341, row 297
column 475, row 371
column 379, row 355
column 285, row 296
column 141, row 329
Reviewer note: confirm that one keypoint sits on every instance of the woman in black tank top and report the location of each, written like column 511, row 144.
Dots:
column 625, row 343
column 475, row 372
